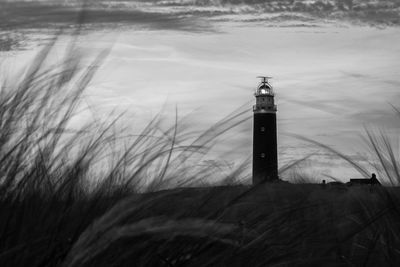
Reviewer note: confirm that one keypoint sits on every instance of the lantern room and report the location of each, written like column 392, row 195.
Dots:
column 264, row 88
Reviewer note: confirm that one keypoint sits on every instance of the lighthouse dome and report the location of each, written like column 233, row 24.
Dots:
column 264, row 89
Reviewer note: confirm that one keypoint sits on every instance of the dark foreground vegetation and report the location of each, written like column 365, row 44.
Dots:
column 88, row 196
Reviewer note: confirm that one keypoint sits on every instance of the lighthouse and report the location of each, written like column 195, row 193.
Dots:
column 265, row 151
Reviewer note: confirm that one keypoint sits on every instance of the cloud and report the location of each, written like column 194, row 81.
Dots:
column 45, row 14
column 194, row 15
column 378, row 13
column 10, row 41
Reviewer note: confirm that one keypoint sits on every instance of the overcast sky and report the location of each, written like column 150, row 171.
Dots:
column 335, row 63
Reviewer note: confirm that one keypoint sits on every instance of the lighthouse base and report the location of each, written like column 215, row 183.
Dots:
column 265, row 151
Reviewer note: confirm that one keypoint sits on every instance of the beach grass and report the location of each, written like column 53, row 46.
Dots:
column 74, row 196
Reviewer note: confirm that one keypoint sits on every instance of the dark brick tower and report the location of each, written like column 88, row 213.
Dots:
column 265, row 151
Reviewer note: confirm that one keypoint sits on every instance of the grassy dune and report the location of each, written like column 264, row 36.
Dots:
column 270, row 225
column 59, row 208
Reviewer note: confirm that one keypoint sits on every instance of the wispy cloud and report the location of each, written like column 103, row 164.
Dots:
column 10, row 41
column 52, row 14
column 194, row 15
column 382, row 12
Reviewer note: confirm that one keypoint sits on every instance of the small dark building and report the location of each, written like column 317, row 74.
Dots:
column 363, row 181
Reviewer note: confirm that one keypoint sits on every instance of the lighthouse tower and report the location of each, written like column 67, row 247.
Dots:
column 265, row 151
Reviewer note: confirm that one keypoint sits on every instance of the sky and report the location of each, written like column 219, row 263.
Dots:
column 335, row 65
